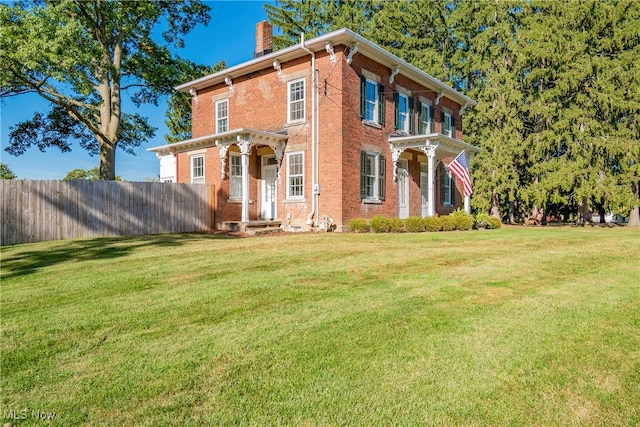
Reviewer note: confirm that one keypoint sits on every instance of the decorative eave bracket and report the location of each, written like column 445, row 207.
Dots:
column 229, row 83
column 194, row 94
column 393, row 74
column 278, row 67
column 332, row 54
column 440, row 95
column 352, row 51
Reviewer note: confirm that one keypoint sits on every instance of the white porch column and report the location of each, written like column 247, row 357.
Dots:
column 245, row 149
column 430, row 150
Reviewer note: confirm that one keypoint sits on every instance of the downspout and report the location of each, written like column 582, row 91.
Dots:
column 312, row 219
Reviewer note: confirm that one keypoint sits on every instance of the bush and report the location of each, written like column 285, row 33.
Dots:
column 494, row 222
column 484, row 220
column 379, row 224
column 461, row 220
column 432, row 223
column 396, row 225
column 414, row 224
column 358, row 225
column 448, row 223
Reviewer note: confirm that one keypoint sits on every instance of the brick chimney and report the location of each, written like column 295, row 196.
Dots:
column 264, row 39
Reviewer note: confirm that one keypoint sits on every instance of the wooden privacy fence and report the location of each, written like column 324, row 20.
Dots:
column 35, row 211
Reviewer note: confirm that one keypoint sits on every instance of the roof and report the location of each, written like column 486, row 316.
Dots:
column 342, row 36
column 256, row 136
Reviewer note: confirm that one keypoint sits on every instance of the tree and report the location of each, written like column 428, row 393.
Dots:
column 178, row 115
column 83, row 57
column 6, row 173
column 90, row 174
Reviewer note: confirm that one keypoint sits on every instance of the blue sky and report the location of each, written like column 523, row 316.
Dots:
column 230, row 36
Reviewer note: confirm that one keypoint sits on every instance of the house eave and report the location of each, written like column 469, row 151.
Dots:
column 339, row 37
column 446, row 143
column 258, row 137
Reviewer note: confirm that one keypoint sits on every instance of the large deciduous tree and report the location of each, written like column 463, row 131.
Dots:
column 84, row 57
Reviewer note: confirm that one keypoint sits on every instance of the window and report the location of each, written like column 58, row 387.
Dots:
column 403, row 112
column 372, row 183
column 296, row 100
column 295, row 175
column 425, row 119
column 222, row 116
column 197, row 169
column 447, row 187
column 235, row 176
column 448, row 124
column 371, row 101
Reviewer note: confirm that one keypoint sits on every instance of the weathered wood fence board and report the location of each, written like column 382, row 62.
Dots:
column 35, row 211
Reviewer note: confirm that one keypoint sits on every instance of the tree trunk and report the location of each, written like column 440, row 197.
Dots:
column 634, row 215
column 107, row 161
column 584, row 211
column 495, row 205
column 512, row 212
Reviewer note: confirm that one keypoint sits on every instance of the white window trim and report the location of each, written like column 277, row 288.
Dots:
column 289, row 175
column 376, row 178
column 304, row 100
column 197, row 179
column 448, row 115
column 217, row 103
column 235, row 155
column 406, row 112
column 448, row 188
column 376, row 103
column 428, row 104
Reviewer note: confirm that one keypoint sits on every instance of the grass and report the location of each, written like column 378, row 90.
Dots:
column 514, row 326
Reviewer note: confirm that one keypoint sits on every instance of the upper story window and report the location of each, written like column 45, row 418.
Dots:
column 372, row 182
column 235, row 176
column 197, row 169
column 426, row 122
column 222, row 116
column 447, row 124
column 371, row 100
column 403, row 110
column 295, row 105
column 295, row 175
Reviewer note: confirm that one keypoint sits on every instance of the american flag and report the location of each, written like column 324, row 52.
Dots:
column 460, row 169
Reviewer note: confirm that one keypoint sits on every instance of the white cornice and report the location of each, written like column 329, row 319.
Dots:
column 345, row 37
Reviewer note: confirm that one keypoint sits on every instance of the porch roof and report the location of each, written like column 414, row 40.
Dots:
column 446, row 143
column 256, row 136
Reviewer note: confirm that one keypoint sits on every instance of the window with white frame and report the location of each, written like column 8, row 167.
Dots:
column 197, row 169
column 235, row 176
column 295, row 175
column 425, row 118
column 447, row 124
column 371, row 100
column 372, row 176
column 222, row 116
column 403, row 112
column 296, row 100
column 447, row 187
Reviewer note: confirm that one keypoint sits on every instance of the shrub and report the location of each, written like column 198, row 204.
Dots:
column 379, row 224
column 414, row 224
column 461, row 220
column 494, row 222
column 396, row 225
column 448, row 223
column 358, row 225
column 484, row 220
column 432, row 223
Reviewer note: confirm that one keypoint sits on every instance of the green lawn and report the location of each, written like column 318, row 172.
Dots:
column 517, row 326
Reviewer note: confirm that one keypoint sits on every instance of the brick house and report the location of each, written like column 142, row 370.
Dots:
column 316, row 134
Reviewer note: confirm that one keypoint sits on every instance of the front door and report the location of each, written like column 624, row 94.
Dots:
column 268, row 188
column 403, row 189
column 424, row 189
